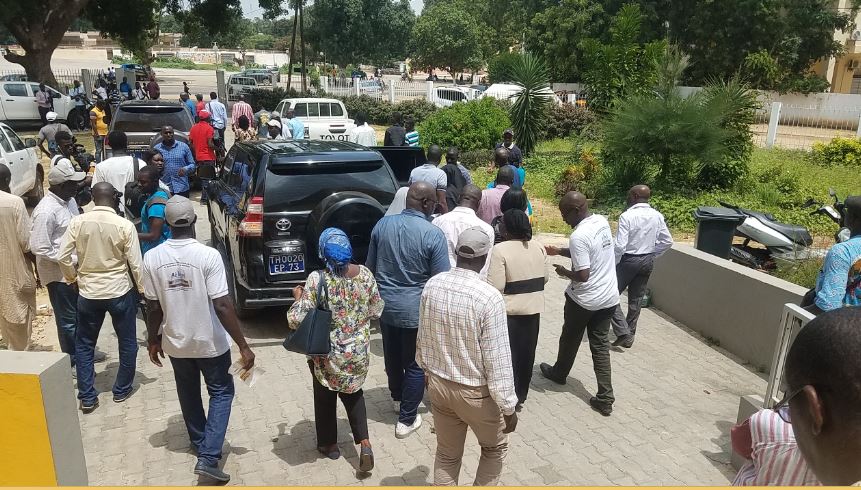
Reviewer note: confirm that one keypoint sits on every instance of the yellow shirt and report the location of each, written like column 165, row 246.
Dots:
column 99, row 124
column 107, row 248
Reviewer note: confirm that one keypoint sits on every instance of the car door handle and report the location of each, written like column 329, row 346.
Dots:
column 10, row 100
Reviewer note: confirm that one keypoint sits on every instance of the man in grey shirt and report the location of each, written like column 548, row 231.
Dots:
column 433, row 175
column 48, row 134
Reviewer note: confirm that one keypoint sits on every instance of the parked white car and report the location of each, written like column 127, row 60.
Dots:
column 448, row 96
column 22, row 159
column 508, row 91
column 324, row 119
column 18, row 102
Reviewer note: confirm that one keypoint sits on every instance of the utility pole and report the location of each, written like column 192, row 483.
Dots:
column 302, row 47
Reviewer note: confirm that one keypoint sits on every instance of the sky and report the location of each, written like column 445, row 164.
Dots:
column 252, row 9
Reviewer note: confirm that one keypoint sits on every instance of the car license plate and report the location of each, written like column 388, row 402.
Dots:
column 286, row 264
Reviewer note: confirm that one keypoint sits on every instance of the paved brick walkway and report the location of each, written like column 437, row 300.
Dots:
column 676, row 400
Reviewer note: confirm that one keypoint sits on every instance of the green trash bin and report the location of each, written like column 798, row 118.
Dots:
column 715, row 229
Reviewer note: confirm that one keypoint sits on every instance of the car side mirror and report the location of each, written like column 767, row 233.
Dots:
column 30, row 142
column 56, row 95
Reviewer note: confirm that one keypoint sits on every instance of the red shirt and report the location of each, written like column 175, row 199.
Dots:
column 199, row 137
column 201, row 106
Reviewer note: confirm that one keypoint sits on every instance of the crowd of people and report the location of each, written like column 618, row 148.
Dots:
column 453, row 274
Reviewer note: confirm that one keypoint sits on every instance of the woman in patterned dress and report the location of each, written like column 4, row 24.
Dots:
column 354, row 300
column 244, row 131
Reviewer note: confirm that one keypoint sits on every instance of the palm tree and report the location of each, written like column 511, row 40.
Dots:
column 530, row 104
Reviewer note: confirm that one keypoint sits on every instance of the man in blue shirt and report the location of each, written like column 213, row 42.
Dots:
column 405, row 251
column 219, row 115
column 154, row 231
column 839, row 281
column 178, row 162
column 126, row 89
column 190, row 105
column 297, row 127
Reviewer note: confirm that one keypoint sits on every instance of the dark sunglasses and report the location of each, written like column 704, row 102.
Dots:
column 782, row 407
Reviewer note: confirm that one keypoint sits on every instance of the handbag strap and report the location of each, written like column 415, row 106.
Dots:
column 322, row 291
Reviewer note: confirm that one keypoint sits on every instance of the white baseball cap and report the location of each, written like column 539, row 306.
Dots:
column 51, row 116
column 63, row 172
column 274, row 122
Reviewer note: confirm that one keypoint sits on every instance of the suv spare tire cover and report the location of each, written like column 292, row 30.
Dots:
column 355, row 213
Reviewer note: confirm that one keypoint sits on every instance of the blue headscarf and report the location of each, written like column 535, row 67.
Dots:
column 334, row 250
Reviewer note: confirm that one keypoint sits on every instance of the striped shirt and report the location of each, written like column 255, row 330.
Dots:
column 463, row 335
column 411, row 138
column 776, row 459
column 241, row 109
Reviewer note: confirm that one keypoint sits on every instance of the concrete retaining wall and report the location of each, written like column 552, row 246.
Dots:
column 40, row 437
column 736, row 306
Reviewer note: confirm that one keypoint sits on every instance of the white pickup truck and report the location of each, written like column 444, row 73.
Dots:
column 324, row 119
column 18, row 102
column 22, row 159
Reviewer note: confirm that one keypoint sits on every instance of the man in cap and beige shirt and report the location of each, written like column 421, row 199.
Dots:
column 463, row 348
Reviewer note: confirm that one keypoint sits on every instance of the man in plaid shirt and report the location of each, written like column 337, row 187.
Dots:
column 463, row 348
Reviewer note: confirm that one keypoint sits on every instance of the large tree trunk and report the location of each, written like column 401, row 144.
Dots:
column 39, row 27
column 37, row 64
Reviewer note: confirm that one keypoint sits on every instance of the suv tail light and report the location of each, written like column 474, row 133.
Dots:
column 252, row 224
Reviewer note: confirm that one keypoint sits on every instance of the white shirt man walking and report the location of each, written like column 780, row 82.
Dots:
column 590, row 300
column 460, row 219
column 186, row 291
column 642, row 236
column 463, row 348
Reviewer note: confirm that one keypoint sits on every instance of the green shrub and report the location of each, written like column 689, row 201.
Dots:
column 474, row 159
column 377, row 111
column 581, row 176
column 803, row 272
column 840, row 151
column 569, row 120
column 420, row 109
column 474, row 125
column 174, row 62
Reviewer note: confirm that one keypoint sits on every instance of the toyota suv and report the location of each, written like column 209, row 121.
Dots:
column 142, row 121
column 272, row 200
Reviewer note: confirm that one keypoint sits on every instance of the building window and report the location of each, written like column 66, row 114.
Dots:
column 856, row 85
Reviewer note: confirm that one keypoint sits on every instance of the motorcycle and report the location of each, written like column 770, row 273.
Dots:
column 781, row 241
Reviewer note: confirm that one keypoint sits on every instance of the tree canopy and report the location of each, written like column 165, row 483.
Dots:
column 446, row 36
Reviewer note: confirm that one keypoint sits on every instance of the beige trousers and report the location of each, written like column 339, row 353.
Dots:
column 17, row 335
column 455, row 408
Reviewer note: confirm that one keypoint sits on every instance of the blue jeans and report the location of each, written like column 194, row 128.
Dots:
column 64, row 301
column 91, row 315
column 406, row 378
column 206, row 433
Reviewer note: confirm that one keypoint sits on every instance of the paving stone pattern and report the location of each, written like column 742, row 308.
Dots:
column 676, row 398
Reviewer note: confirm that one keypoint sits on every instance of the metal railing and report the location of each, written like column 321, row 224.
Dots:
column 798, row 127
column 65, row 77
column 792, row 320
column 389, row 90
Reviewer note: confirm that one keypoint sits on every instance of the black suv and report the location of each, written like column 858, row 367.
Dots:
column 272, row 200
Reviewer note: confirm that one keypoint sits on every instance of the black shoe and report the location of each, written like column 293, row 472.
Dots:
column 622, row 340
column 604, row 409
column 518, row 407
column 211, row 472
column 547, row 372
column 366, row 460
column 88, row 407
column 330, row 452
column 628, row 342
column 123, row 397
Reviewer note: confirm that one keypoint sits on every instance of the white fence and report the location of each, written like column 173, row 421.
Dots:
column 392, row 91
column 793, row 319
column 798, row 126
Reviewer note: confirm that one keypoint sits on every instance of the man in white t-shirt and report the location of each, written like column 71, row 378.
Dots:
column 190, row 317
column 119, row 170
column 590, row 299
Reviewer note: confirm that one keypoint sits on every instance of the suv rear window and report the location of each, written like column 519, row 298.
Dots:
column 301, row 187
column 150, row 119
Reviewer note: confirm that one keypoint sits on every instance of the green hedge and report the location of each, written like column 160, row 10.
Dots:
column 380, row 111
column 475, row 125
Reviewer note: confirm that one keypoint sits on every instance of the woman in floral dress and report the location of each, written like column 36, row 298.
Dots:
column 244, row 132
column 354, row 300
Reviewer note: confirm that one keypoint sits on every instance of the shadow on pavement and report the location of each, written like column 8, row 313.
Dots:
column 540, row 384
column 417, row 476
column 722, row 460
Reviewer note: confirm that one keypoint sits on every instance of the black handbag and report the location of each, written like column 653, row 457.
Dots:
column 312, row 336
